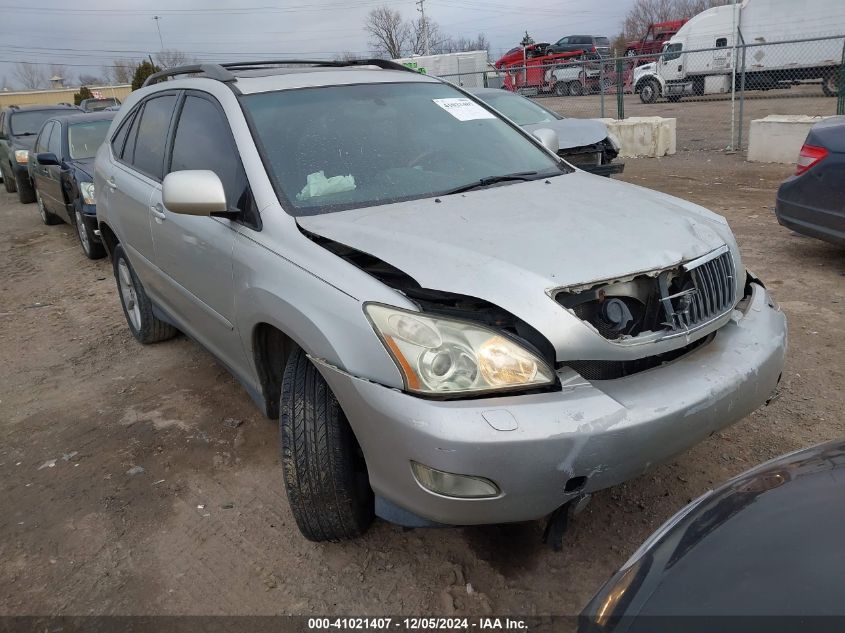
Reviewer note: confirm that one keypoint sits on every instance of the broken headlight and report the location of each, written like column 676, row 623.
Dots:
column 438, row 355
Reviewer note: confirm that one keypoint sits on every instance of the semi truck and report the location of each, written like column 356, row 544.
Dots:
column 701, row 57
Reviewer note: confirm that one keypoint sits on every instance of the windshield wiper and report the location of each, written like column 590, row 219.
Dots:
column 492, row 180
column 26, row 134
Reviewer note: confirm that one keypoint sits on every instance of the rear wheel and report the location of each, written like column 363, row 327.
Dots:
column 46, row 217
column 26, row 192
column 649, row 91
column 561, row 88
column 324, row 470
column 575, row 89
column 137, row 307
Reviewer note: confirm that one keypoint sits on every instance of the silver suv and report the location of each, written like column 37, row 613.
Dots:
column 452, row 325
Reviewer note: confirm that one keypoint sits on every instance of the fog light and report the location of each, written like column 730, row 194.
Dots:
column 452, row 485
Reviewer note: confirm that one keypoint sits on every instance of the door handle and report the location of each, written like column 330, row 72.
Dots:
column 111, row 184
column 158, row 212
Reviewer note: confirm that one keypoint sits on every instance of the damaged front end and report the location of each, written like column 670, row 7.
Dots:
column 596, row 158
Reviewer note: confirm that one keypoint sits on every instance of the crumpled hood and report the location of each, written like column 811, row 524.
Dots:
column 511, row 244
column 574, row 132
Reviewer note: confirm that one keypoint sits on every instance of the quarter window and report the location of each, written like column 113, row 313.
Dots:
column 120, row 138
column 151, row 139
column 43, row 136
column 54, row 145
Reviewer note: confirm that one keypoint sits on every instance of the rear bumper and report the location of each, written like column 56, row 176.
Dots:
column 823, row 224
column 605, row 431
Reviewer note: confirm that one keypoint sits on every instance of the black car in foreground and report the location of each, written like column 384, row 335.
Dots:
column 763, row 552
column 61, row 167
column 19, row 126
column 812, row 202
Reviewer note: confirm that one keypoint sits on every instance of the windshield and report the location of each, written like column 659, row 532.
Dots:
column 341, row 147
column 31, row 122
column 602, row 41
column 93, row 105
column 518, row 109
column 83, row 139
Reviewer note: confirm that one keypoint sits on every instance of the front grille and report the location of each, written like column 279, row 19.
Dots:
column 707, row 291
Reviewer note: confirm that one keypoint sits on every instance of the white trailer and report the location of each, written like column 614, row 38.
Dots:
column 760, row 24
column 468, row 69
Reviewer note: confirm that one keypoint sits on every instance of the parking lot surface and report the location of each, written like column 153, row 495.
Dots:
column 142, row 480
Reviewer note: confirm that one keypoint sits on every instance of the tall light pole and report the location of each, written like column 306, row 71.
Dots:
column 158, row 28
column 421, row 4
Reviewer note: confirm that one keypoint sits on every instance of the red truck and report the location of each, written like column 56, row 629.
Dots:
column 560, row 73
column 652, row 42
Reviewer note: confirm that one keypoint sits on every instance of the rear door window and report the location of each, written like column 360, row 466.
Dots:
column 151, row 138
column 119, row 139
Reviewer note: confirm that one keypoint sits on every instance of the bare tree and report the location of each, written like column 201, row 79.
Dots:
column 347, row 56
column 420, row 31
column 58, row 70
column 120, row 71
column 89, row 80
column 389, row 34
column 30, row 76
column 171, row 57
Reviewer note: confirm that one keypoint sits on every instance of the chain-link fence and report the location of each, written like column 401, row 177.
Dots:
column 713, row 93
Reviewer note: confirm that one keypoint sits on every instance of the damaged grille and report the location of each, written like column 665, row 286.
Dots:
column 672, row 302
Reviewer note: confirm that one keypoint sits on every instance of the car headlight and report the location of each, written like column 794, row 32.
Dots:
column 22, row 156
column 438, row 355
column 87, row 191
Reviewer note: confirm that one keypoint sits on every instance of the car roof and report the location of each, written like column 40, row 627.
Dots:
column 84, row 117
column 34, row 108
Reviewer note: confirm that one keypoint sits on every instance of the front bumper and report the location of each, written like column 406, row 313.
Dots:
column 606, row 431
column 607, row 169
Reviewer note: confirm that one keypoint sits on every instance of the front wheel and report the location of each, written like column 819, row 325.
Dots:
column 649, row 91
column 8, row 181
column 92, row 248
column 324, row 470
column 561, row 88
column 137, row 307
column 575, row 89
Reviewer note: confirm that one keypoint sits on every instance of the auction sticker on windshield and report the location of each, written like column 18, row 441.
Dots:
column 464, row 109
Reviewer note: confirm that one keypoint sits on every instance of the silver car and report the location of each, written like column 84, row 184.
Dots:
column 451, row 324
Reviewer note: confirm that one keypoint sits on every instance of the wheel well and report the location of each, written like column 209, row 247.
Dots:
column 271, row 349
column 109, row 238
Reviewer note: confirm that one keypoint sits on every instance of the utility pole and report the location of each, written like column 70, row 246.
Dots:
column 158, row 28
column 421, row 5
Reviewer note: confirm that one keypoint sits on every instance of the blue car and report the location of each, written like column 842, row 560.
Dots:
column 61, row 169
column 812, row 202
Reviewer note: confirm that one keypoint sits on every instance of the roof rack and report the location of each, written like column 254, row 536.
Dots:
column 223, row 72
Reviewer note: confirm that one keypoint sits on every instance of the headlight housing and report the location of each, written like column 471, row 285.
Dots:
column 86, row 189
column 22, row 156
column 442, row 356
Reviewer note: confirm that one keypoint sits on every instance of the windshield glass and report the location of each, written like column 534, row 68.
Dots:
column 93, row 105
column 31, row 122
column 83, row 139
column 340, row 147
column 518, row 109
column 602, row 41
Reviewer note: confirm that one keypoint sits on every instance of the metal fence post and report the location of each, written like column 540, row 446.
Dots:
column 741, row 93
column 620, row 89
column 840, row 99
column 601, row 86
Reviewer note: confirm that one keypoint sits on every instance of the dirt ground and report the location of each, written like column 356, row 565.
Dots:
column 204, row 528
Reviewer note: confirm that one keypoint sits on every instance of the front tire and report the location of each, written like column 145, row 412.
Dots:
column 9, row 181
column 325, row 474
column 649, row 91
column 90, row 246
column 26, row 192
column 46, row 217
column 830, row 84
column 575, row 89
column 137, row 307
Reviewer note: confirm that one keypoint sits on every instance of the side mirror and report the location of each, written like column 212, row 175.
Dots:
column 46, row 158
column 193, row 192
column 548, row 138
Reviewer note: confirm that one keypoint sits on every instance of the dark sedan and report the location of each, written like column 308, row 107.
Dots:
column 767, row 544
column 812, row 202
column 61, row 168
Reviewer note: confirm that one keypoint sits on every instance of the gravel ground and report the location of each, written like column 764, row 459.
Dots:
column 126, row 491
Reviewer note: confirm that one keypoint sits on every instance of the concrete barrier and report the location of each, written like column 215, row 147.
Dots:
column 778, row 138
column 651, row 136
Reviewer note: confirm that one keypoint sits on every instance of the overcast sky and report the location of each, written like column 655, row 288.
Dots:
column 87, row 34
